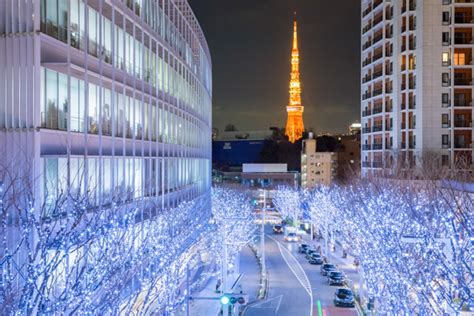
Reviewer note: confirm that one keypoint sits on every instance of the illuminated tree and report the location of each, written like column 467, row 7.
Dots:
column 287, row 201
column 66, row 255
column 413, row 240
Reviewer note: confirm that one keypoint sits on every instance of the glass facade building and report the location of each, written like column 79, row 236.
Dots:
column 107, row 96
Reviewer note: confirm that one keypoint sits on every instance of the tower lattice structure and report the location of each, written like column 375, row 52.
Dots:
column 294, row 124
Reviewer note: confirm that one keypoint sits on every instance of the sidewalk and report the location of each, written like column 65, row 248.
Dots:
column 250, row 284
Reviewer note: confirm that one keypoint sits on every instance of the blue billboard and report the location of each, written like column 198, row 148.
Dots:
column 236, row 152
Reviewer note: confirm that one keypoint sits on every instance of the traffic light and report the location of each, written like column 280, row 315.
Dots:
column 234, row 298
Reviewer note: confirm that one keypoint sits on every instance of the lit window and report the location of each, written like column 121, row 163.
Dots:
column 445, row 59
column 459, row 59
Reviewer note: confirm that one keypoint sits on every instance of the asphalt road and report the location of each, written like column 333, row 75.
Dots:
column 286, row 296
column 289, row 287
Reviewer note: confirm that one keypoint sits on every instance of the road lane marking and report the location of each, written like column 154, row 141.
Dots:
column 301, row 276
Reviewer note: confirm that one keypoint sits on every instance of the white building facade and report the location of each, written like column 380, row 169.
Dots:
column 118, row 92
column 416, row 82
column 317, row 168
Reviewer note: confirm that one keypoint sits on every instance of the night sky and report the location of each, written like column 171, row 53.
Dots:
column 250, row 43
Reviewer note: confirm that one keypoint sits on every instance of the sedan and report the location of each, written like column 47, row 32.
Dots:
column 278, row 229
column 316, row 259
column 335, row 278
column 310, row 252
column 302, row 248
column 292, row 237
column 344, row 298
column 327, row 267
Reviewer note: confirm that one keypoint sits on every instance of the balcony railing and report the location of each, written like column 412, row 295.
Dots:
column 366, row 146
column 377, row 128
column 366, row 130
column 366, row 95
column 462, row 145
column 366, row 113
column 377, row 164
column 366, row 164
column 461, row 40
column 377, row 146
column 466, row 103
column 463, row 123
column 366, row 62
column 377, row 110
column 463, row 81
column 463, row 19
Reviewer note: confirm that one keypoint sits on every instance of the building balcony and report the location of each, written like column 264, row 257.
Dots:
column 377, row 146
column 463, row 19
column 366, row 130
column 366, row 62
column 463, row 103
column 377, row 128
column 462, row 124
column 461, row 40
column 366, row 164
column 366, row 96
column 366, row 78
column 463, row 81
column 366, row 113
column 377, row 110
column 377, row 164
column 460, row 145
column 366, row 146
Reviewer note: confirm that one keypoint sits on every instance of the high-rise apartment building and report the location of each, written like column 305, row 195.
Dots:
column 119, row 91
column 417, row 82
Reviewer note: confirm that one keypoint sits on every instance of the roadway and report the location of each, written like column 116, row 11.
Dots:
column 295, row 286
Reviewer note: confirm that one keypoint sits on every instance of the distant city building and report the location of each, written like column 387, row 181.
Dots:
column 348, row 156
column 316, row 167
column 355, row 128
column 294, row 125
column 232, row 149
column 259, row 175
column 417, row 85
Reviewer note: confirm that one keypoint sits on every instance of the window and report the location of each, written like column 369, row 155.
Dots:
column 445, row 100
column 459, row 59
column 445, row 79
column 445, row 160
column 445, row 120
column 445, row 59
column 445, row 141
column 446, row 19
column 446, row 39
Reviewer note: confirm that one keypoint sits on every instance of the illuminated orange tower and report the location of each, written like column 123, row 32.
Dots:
column 294, row 124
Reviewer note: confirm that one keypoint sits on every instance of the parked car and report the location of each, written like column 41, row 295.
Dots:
column 292, row 237
column 302, row 248
column 316, row 259
column 335, row 278
column 277, row 229
column 344, row 298
column 327, row 267
column 310, row 252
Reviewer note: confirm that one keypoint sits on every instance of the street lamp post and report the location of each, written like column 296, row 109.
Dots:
column 262, row 235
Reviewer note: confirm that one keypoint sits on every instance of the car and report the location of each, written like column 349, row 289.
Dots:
column 327, row 267
column 302, row 248
column 344, row 298
column 310, row 252
column 316, row 259
column 335, row 278
column 292, row 237
column 277, row 229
